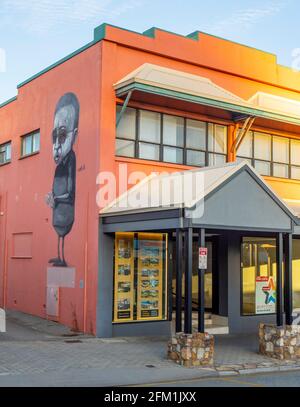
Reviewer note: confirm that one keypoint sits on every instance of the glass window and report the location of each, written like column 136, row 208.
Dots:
column 196, row 135
column 149, row 126
column 173, row 155
column 281, row 150
column 195, row 158
column 217, row 138
column 5, row 153
column 262, row 146
column 140, row 286
column 173, row 131
column 149, row 151
column 36, row 142
column 216, row 159
column 125, row 148
column 263, row 167
column 242, row 159
column 280, row 170
column 127, row 126
column 295, row 173
column 246, row 147
column 295, row 152
column 258, row 276
column 30, row 143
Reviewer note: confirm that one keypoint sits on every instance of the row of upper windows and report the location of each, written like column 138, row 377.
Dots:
column 160, row 137
column 30, row 144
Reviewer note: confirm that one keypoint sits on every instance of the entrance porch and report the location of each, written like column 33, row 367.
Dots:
column 235, row 215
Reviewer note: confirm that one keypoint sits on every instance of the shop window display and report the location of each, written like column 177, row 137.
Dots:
column 140, row 277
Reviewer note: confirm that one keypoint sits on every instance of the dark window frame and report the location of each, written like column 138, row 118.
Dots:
column 31, row 136
column 271, row 162
column 4, row 152
column 161, row 145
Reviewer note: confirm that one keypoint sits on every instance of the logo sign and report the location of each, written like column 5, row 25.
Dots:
column 203, row 258
column 265, row 295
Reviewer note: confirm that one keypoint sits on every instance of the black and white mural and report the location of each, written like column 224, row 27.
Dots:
column 62, row 197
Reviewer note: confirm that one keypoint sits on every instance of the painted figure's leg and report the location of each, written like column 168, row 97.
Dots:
column 64, row 263
column 57, row 259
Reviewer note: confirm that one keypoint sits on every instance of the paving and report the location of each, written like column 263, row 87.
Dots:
column 35, row 352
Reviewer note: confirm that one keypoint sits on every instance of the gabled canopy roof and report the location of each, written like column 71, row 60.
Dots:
column 180, row 85
column 231, row 196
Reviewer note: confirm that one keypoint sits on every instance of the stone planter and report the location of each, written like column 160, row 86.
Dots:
column 282, row 343
column 192, row 350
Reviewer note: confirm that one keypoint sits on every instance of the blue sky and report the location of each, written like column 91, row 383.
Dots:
column 36, row 33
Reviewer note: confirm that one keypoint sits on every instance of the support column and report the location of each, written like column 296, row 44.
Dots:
column 188, row 242
column 201, row 288
column 288, row 279
column 279, row 295
column 179, row 257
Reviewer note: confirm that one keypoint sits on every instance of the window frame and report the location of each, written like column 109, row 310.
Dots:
column 4, row 145
column 272, row 162
column 242, row 239
column 31, row 136
column 161, row 145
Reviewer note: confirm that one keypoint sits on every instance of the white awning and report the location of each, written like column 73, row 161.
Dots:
column 166, row 82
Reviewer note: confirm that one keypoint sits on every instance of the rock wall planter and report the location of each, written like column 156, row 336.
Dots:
column 192, row 350
column 282, row 343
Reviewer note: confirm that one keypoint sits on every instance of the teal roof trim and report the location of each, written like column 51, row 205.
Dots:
column 7, row 102
column 207, row 102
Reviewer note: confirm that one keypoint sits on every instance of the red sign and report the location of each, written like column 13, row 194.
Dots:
column 203, row 258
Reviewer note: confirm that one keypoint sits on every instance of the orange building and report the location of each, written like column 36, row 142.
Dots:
column 85, row 130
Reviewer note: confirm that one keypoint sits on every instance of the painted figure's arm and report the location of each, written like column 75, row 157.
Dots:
column 69, row 196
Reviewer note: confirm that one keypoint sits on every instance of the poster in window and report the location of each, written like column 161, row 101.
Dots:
column 150, row 276
column 265, row 298
column 124, row 277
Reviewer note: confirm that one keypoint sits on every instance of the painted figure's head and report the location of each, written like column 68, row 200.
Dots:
column 65, row 129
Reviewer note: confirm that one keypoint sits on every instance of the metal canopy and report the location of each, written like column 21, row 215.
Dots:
column 179, row 85
column 233, row 197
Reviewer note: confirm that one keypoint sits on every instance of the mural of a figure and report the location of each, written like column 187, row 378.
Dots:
column 62, row 197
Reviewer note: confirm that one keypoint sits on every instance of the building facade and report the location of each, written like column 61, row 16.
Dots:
column 83, row 132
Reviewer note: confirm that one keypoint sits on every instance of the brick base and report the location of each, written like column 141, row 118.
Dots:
column 281, row 343
column 192, row 350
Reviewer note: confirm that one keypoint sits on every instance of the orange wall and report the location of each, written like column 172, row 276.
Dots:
column 24, row 184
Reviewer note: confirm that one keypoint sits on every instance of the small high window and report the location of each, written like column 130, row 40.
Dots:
column 5, row 153
column 30, row 144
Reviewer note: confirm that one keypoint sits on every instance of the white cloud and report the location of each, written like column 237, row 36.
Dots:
column 44, row 15
column 245, row 19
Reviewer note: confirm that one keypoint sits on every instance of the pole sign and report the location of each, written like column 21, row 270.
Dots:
column 265, row 300
column 203, row 258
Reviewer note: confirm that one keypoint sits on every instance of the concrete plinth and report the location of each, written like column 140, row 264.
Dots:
column 282, row 343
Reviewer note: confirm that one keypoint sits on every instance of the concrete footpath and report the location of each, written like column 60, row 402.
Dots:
column 35, row 352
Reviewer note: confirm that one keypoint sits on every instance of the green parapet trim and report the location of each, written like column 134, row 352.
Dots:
column 61, row 61
column 7, row 102
column 100, row 32
column 207, row 102
column 194, row 35
column 151, row 33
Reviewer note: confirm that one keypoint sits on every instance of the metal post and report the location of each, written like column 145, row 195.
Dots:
column 188, row 310
column 179, row 256
column 201, row 288
column 288, row 280
column 279, row 295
